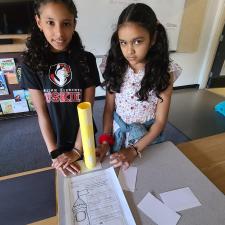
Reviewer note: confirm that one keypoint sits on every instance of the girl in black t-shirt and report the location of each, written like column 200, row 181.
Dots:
column 59, row 74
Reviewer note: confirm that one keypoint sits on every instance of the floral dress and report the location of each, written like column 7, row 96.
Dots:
column 127, row 105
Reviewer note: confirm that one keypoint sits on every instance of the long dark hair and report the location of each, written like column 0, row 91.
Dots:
column 38, row 50
column 156, row 75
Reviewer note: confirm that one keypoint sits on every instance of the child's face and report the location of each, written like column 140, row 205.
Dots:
column 57, row 24
column 134, row 43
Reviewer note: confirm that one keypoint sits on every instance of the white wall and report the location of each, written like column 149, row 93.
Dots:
column 97, row 31
column 196, row 66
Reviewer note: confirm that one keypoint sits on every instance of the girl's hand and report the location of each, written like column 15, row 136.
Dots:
column 123, row 158
column 66, row 162
column 102, row 150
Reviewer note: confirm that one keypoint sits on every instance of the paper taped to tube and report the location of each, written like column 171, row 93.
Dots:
column 87, row 133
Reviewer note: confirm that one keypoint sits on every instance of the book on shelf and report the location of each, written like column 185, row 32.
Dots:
column 7, row 106
column 1, row 113
column 21, row 103
column 19, row 95
column 11, row 78
column 20, row 106
column 11, row 106
column 8, row 66
column 29, row 100
column 3, row 86
column 19, row 73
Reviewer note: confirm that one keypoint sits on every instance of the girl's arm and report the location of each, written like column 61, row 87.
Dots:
column 43, row 119
column 107, row 124
column 162, row 111
column 108, row 113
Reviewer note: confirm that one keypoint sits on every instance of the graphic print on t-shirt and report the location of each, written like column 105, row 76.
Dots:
column 60, row 74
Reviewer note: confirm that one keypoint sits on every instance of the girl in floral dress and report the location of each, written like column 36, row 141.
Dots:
column 139, row 79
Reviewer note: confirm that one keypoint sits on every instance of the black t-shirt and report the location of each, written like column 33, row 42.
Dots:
column 63, row 88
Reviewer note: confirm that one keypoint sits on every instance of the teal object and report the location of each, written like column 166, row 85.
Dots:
column 220, row 107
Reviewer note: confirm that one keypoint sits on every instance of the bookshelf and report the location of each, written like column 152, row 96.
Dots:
column 18, row 44
column 13, row 87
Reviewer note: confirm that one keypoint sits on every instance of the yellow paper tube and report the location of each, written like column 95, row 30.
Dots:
column 87, row 133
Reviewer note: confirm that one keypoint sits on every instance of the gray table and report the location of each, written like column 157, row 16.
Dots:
column 164, row 168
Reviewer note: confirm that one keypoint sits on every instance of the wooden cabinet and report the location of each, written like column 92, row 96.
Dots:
column 18, row 44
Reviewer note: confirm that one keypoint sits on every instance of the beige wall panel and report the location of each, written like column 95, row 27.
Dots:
column 191, row 26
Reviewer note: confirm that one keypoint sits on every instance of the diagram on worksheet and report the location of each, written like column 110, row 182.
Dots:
column 80, row 209
column 95, row 200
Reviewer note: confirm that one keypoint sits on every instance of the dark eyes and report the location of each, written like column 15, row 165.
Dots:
column 52, row 23
column 137, row 42
column 122, row 42
column 134, row 42
column 67, row 24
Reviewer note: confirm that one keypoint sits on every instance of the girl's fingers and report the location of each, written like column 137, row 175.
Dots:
column 102, row 156
column 60, row 161
column 66, row 165
column 117, row 156
column 101, row 152
column 62, row 171
column 59, row 165
column 122, row 157
column 119, row 164
column 116, row 160
column 72, row 167
column 97, row 153
column 71, row 170
column 75, row 167
column 54, row 164
column 114, row 156
column 126, row 165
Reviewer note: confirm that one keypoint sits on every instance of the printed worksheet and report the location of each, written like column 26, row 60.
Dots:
column 96, row 198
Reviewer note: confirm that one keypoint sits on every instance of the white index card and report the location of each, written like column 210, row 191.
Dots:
column 180, row 199
column 127, row 178
column 157, row 211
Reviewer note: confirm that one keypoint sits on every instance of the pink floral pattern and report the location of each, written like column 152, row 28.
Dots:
column 127, row 105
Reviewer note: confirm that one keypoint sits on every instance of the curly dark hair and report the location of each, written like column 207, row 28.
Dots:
column 38, row 49
column 156, row 75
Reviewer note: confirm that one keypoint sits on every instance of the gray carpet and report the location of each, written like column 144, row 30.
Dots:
column 22, row 147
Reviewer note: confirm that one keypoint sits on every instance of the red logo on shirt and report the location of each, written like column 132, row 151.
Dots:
column 60, row 74
column 67, row 96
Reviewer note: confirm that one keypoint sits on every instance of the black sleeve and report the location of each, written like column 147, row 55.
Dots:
column 29, row 79
column 93, row 72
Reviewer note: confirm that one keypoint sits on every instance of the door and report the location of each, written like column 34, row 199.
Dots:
column 217, row 74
